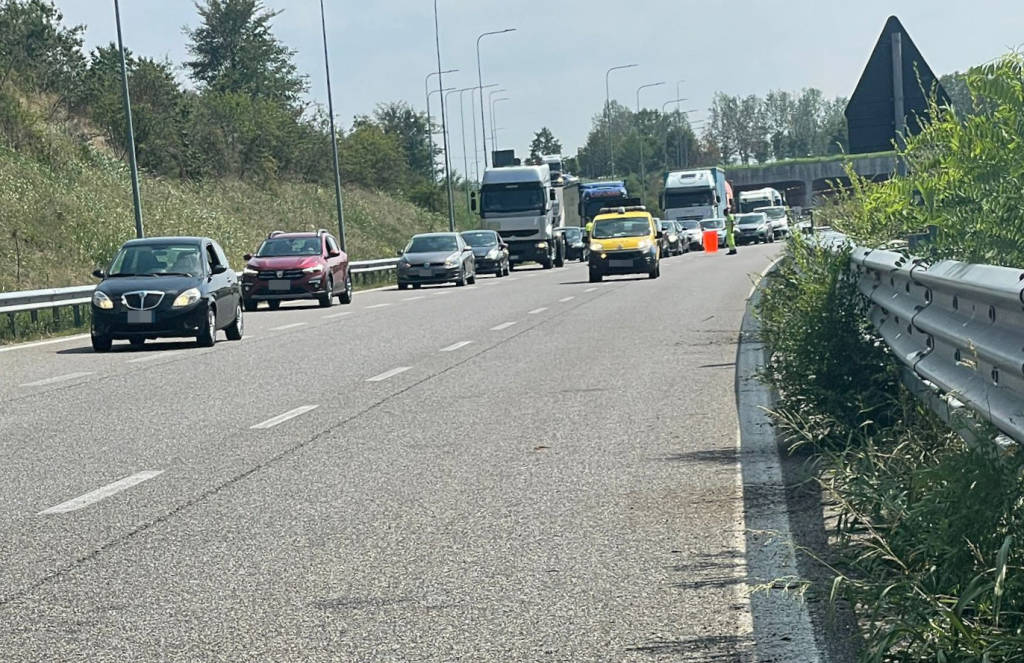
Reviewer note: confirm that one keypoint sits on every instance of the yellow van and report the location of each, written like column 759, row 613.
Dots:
column 624, row 240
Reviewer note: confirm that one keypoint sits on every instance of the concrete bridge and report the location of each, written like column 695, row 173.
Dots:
column 801, row 181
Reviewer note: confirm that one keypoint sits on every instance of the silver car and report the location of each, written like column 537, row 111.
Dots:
column 753, row 228
column 436, row 258
column 692, row 232
column 778, row 218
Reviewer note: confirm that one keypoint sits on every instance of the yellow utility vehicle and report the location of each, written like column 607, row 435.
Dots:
column 624, row 240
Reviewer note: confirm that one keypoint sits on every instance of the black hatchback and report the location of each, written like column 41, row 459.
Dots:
column 166, row 287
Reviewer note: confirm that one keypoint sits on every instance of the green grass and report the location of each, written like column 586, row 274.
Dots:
column 806, row 160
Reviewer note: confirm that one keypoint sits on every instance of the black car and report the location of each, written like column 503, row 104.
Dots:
column 672, row 243
column 166, row 287
column 490, row 252
column 576, row 247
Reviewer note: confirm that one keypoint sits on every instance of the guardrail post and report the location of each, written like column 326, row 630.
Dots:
column 34, row 316
column 56, row 315
column 77, row 312
column 14, row 325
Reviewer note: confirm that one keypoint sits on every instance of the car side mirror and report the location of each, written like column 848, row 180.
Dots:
column 659, row 234
column 399, row 253
column 247, row 257
column 333, row 253
column 218, row 269
column 98, row 273
column 467, row 248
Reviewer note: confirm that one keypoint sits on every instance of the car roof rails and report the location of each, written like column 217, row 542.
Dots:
column 275, row 233
column 323, row 231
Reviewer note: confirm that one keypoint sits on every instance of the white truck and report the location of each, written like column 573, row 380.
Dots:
column 695, row 195
column 766, row 197
column 554, row 163
column 522, row 205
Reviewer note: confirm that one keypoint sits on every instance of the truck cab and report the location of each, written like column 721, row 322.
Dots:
column 695, row 195
column 522, row 206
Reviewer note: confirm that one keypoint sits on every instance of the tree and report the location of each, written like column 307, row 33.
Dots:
column 409, row 127
column 544, row 142
column 36, row 50
column 234, row 50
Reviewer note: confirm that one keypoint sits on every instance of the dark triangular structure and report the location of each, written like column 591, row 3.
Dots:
column 870, row 115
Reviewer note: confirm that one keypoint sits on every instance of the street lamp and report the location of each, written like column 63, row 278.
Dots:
column 490, row 104
column 334, row 134
column 465, row 157
column 444, row 125
column 494, row 139
column 676, row 101
column 430, row 131
column 608, row 112
column 480, row 82
column 136, row 197
column 643, row 168
column 476, row 147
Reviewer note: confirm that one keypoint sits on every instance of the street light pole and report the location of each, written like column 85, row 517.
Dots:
column 334, row 135
column 679, row 158
column 444, row 125
column 608, row 113
column 465, row 157
column 480, row 82
column 430, row 129
column 494, row 137
column 136, row 196
column 678, row 127
column 476, row 147
column 640, row 137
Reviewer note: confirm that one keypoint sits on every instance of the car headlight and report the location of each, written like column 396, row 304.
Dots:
column 187, row 298
column 315, row 269
column 542, row 245
column 673, row 237
column 249, row 271
column 452, row 261
column 595, row 246
column 643, row 244
column 493, row 254
column 100, row 300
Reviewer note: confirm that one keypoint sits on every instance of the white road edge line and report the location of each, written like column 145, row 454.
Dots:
column 504, row 325
column 101, row 493
column 36, row 344
column 389, row 374
column 281, row 418
column 334, row 316
column 291, row 326
column 378, row 306
column 538, row 310
column 59, row 378
column 565, row 299
column 763, row 274
column 455, row 346
column 154, row 356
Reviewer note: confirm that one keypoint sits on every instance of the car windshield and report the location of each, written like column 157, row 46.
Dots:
column 157, row 259
column 712, row 224
column 690, row 225
column 289, row 246
column 573, row 234
column 432, row 244
column 750, row 219
column 628, row 227
column 668, row 225
column 480, row 239
column 773, row 212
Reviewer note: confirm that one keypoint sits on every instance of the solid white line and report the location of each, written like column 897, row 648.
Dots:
column 378, row 306
column 334, row 316
column 389, row 374
column 590, row 290
column 412, row 299
column 504, row 325
column 455, row 346
column 59, row 378
column 156, row 355
column 291, row 326
column 36, row 344
column 538, row 310
column 281, row 418
column 102, row 493
column 565, row 299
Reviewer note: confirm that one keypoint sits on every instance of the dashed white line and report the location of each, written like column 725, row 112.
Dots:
column 281, row 418
column 36, row 344
column 504, row 325
column 378, row 306
column 412, row 299
column 565, row 299
column 511, row 278
column 389, row 374
column 291, row 326
column 335, row 316
column 59, row 378
column 154, row 356
column 590, row 290
column 538, row 310
column 101, row 493
column 455, row 346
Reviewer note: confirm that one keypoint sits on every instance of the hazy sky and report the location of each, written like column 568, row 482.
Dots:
column 554, row 64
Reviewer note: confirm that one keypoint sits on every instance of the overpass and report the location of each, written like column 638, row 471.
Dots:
column 801, row 180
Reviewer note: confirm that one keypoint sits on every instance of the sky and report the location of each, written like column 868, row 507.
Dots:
column 553, row 66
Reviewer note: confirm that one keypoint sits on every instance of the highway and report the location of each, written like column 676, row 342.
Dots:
column 531, row 468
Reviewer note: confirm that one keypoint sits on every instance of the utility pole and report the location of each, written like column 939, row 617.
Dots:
column 643, row 167
column 480, row 82
column 444, row 125
column 334, row 135
column 608, row 113
column 430, row 128
column 136, row 196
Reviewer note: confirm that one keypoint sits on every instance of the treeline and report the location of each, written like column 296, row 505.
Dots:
column 245, row 115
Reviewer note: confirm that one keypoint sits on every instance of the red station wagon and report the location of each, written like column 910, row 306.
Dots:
column 301, row 265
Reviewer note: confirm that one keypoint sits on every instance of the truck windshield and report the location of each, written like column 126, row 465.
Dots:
column 751, row 205
column 594, row 205
column 512, row 199
column 610, row 228
column 773, row 212
column 698, row 198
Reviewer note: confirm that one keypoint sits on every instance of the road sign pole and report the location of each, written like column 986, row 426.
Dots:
column 898, row 110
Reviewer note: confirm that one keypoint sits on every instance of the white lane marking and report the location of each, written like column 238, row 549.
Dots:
column 291, row 326
column 590, row 290
column 102, row 493
column 504, row 325
column 511, row 278
column 378, row 306
column 335, row 316
column 455, row 346
column 155, row 355
column 565, row 299
column 59, row 378
column 36, row 344
column 412, row 299
column 281, row 418
column 389, row 374
column 538, row 310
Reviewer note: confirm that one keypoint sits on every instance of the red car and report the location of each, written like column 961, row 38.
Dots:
column 303, row 265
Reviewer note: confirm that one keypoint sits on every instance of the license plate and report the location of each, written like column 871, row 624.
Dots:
column 140, row 317
column 426, row 272
column 620, row 263
column 513, row 257
column 280, row 284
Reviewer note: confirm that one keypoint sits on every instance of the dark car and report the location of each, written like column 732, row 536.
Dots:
column 672, row 240
column 166, row 287
column 489, row 251
column 299, row 265
column 576, row 247
column 436, row 258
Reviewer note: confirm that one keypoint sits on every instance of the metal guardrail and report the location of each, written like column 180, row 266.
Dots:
column 33, row 301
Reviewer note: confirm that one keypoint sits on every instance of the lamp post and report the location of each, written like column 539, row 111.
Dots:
column 136, row 196
column 494, row 139
column 480, row 82
column 444, row 125
column 608, row 112
column 476, row 146
column 675, row 101
column 334, row 135
column 465, row 157
column 430, row 130
column 640, row 137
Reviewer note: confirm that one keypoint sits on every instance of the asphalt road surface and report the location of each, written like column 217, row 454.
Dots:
column 534, row 468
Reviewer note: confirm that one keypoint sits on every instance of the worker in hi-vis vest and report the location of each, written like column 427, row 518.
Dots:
column 589, row 227
column 730, row 227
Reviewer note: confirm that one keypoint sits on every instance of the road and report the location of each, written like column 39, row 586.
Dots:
column 534, row 468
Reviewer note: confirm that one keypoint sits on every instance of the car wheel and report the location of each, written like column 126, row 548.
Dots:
column 403, row 286
column 327, row 299
column 250, row 305
column 655, row 271
column 101, row 343
column 345, row 296
column 416, row 286
column 461, row 281
column 511, row 267
column 235, row 330
column 471, row 279
column 137, row 342
column 274, row 304
column 595, row 277
column 207, row 336
column 559, row 259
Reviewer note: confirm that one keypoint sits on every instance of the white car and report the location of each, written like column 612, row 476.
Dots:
column 778, row 218
column 692, row 233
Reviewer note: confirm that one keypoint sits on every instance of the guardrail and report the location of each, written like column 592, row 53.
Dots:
column 957, row 329
column 366, row 272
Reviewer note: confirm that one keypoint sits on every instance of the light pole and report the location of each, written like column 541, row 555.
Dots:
column 444, row 125
column 490, row 101
column 608, row 112
column 430, row 129
column 494, row 138
column 136, row 197
column 465, row 157
column 476, row 147
column 640, row 138
column 334, row 134
column 675, row 101
column 480, row 82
